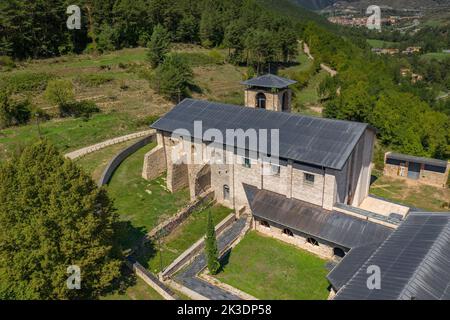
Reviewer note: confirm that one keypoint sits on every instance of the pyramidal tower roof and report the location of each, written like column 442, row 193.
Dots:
column 269, row 81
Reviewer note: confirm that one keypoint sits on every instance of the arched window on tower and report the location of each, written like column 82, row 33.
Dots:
column 226, row 192
column 285, row 102
column 261, row 100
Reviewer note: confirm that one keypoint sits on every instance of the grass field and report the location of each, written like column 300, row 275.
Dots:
column 142, row 204
column 436, row 55
column 181, row 238
column 121, row 90
column 411, row 193
column 270, row 269
column 70, row 134
column 133, row 289
column 374, row 43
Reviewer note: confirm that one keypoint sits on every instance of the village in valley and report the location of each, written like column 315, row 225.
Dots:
column 225, row 150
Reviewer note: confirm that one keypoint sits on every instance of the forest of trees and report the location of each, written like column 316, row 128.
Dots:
column 255, row 34
column 409, row 117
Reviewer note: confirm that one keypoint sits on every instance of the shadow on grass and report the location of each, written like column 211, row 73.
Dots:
column 119, row 286
column 146, row 252
column 129, row 235
column 373, row 179
column 225, row 260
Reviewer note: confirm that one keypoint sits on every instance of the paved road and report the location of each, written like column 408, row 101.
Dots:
column 188, row 277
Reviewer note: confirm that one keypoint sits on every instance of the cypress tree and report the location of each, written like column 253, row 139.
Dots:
column 212, row 252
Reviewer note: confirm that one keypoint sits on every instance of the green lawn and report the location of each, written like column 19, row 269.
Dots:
column 309, row 95
column 142, row 204
column 411, row 193
column 374, row 43
column 95, row 163
column 70, row 134
column 133, row 288
column 436, row 55
column 270, row 269
column 184, row 236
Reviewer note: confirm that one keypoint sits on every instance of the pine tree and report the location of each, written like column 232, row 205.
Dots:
column 212, row 253
column 158, row 46
column 52, row 216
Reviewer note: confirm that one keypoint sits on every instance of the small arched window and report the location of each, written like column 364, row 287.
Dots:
column 285, row 102
column 338, row 252
column 288, row 232
column 312, row 241
column 261, row 100
column 265, row 224
column 226, row 192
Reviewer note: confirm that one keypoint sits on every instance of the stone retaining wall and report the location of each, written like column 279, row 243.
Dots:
column 121, row 156
column 170, row 224
column 195, row 249
column 150, row 279
column 84, row 151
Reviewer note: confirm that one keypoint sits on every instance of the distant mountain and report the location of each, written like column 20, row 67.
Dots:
column 396, row 4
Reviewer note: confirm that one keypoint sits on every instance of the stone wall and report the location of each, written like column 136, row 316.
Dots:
column 121, row 156
column 154, row 163
column 273, row 99
column 195, row 249
column 323, row 250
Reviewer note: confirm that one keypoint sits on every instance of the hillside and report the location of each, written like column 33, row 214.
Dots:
column 361, row 4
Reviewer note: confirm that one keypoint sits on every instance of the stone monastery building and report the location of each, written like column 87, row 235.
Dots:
column 315, row 196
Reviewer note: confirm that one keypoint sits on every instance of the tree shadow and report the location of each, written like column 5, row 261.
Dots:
column 373, row 179
column 130, row 236
column 145, row 252
column 224, row 260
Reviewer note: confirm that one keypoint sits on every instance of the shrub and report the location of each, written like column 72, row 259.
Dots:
column 212, row 253
column 94, row 80
column 13, row 112
column 78, row 109
column 25, row 81
column 59, row 92
column 6, row 63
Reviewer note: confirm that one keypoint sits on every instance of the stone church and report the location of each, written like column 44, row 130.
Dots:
column 312, row 195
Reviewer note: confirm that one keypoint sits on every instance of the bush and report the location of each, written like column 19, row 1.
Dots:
column 59, row 92
column 94, row 80
column 13, row 112
column 78, row 109
column 25, row 81
column 6, row 63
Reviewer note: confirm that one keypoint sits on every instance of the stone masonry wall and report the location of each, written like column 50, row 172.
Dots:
column 154, row 163
column 273, row 99
column 323, row 250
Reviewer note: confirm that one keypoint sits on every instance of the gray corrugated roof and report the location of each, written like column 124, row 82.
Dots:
column 315, row 141
column 269, row 81
column 332, row 226
column 405, row 157
column 351, row 263
column 414, row 262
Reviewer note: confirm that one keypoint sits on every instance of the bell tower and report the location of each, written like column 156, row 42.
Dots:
column 269, row 92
